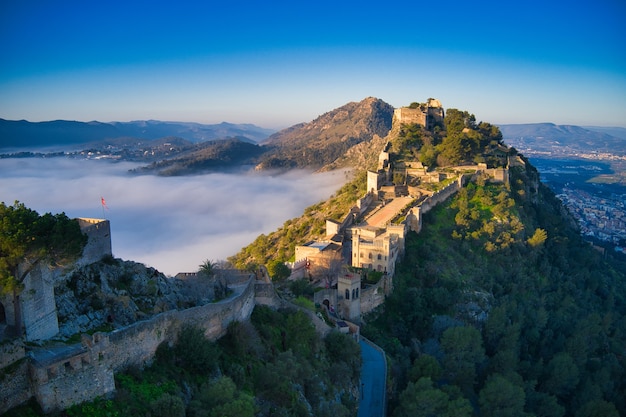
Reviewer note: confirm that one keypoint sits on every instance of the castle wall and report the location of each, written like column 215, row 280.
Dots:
column 68, row 381
column 373, row 181
column 15, row 386
column 372, row 296
column 407, row 115
column 88, row 373
column 136, row 344
column 39, row 312
column 98, row 245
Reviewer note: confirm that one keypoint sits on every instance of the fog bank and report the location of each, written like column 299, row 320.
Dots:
column 170, row 223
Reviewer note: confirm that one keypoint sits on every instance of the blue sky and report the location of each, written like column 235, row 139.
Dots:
column 276, row 64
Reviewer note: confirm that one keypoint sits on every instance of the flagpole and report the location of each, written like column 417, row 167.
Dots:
column 104, row 206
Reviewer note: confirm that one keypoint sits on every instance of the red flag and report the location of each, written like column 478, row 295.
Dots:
column 104, row 203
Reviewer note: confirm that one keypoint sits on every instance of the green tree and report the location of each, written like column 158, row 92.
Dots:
column 220, row 398
column 562, row 375
column 598, row 408
column 538, row 238
column 501, row 398
column 464, row 351
column 425, row 366
column 168, row 405
column 207, row 269
column 277, row 270
column 194, row 352
column 422, row 399
column 27, row 239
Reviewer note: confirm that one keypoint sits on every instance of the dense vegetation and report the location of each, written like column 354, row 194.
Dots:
column 279, row 246
column 459, row 141
column 27, row 238
column 274, row 365
column 501, row 309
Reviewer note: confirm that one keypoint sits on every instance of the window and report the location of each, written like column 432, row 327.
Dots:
column 357, row 293
column 380, row 256
column 353, row 293
column 369, row 256
column 347, row 294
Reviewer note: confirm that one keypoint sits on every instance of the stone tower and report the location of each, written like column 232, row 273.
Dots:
column 349, row 295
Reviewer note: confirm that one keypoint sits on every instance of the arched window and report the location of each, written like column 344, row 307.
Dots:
column 353, row 294
column 357, row 293
column 369, row 255
column 347, row 294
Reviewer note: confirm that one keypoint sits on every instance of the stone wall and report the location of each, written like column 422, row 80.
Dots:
column 15, row 385
column 39, row 311
column 70, row 380
column 372, row 296
column 98, row 245
column 407, row 115
column 86, row 371
column 136, row 344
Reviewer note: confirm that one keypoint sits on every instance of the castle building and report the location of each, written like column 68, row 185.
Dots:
column 427, row 114
column 349, row 295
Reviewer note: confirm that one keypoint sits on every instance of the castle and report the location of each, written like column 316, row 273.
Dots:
column 370, row 237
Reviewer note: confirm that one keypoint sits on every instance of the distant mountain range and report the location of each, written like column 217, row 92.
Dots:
column 339, row 138
column 24, row 134
column 564, row 139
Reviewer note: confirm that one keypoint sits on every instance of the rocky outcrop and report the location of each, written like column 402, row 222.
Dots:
column 330, row 136
column 115, row 293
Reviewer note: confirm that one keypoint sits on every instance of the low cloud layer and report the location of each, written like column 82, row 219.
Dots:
column 173, row 224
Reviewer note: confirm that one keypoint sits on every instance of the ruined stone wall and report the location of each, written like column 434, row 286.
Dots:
column 407, row 115
column 75, row 379
column 372, row 296
column 98, row 245
column 39, row 311
column 373, row 182
column 136, row 344
column 89, row 371
column 15, row 386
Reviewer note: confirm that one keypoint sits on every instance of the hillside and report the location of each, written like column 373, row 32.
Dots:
column 222, row 155
column 328, row 137
column 500, row 305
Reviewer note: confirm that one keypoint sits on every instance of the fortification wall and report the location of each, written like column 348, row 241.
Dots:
column 75, row 379
column 372, row 296
column 407, row 115
column 88, row 372
column 136, row 344
column 98, row 245
column 15, row 385
column 39, row 311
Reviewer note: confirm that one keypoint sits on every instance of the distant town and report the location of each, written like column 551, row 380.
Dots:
column 599, row 207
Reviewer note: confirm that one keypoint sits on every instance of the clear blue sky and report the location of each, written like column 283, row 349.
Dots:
column 276, row 64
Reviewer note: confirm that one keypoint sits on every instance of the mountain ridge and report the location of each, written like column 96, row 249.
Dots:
column 22, row 133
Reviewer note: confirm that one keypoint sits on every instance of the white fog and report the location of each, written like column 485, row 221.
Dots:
column 172, row 224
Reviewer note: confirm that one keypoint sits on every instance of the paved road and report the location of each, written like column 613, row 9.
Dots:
column 373, row 382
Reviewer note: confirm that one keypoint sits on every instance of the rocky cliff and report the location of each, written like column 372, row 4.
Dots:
column 115, row 293
column 329, row 137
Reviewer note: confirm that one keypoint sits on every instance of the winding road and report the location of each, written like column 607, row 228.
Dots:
column 373, row 381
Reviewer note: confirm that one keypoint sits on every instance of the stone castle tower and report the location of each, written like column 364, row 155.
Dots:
column 36, row 301
column 427, row 114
